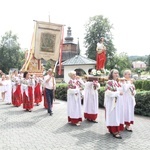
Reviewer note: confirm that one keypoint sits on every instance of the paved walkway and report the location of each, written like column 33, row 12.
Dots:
column 20, row 130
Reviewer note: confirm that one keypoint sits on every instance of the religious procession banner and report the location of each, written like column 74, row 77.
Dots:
column 47, row 40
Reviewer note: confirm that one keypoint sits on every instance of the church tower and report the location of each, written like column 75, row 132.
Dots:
column 69, row 47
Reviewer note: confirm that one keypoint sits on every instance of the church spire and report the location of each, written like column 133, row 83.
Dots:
column 78, row 48
column 69, row 37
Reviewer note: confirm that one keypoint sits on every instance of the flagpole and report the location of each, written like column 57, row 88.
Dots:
column 60, row 52
column 54, row 69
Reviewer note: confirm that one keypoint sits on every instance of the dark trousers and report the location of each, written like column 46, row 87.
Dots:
column 49, row 98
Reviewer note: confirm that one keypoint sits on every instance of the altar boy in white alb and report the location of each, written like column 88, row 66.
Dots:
column 74, row 100
column 129, row 100
column 113, row 103
column 91, row 100
column 8, row 90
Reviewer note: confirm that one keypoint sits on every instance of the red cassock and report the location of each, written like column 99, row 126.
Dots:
column 37, row 94
column 17, row 96
column 100, row 60
column 45, row 100
column 90, row 116
column 114, row 129
column 28, row 100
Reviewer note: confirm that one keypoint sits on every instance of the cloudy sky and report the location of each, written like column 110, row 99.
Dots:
column 130, row 19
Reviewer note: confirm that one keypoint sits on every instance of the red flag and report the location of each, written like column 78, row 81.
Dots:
column 60, row 52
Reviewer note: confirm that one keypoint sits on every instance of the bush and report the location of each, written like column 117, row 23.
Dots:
column 142, row 99
column 138, row 84
column 101, row 97
column 142, row 103
column 61, row 91
column 142, row 85
column 146, row 85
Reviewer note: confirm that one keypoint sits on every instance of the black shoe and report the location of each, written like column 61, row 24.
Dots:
column 94, row 121
column 129, row 130
column 110, row 132
column 8, row 103
column 118, row 136
column 51, row 114
column 89, row 120
column 29, row 110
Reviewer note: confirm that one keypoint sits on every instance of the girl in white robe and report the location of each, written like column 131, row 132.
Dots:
column 113, row 103
column 27, row 85
column 17, row 90
column 2, row 88
column 8, row 90
column 129, row 100
column 91, row 100
column 74, row 100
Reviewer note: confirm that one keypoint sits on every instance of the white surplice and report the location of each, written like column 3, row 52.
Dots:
column 15, row 81
column 91, row 98
column 8, row 91
column 129, row 101
column 114, row 110
column 26, row 83
column 74, row 103
column 2, row 87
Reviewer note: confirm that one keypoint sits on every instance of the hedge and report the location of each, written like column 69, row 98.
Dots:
column 142, row 99
column 142, row 85
column 61, row 92
column 142, row 103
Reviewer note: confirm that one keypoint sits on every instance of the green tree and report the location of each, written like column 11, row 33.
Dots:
column 138, row 58
column 49, row 64
column 120, row 62
column 97, row 27
column 21, row 59
column 148, row 63
column 10, row 54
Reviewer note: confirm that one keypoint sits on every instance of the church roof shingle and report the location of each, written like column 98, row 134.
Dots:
column 79, row 60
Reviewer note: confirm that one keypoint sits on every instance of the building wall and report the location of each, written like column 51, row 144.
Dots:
column 69, row 47
column 139, row 65
column 67, row 69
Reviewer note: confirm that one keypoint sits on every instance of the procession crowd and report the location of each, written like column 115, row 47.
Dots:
column 119, row 101
column 26, row 89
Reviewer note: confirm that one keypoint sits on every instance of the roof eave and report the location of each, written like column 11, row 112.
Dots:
column 77, row 64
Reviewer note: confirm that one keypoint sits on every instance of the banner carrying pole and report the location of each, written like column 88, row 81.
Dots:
column 60, row 52
column 54, row 69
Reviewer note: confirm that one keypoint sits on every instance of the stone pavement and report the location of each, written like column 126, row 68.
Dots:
column 20, row 130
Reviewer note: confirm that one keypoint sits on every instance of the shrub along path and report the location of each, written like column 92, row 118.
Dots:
column 20, row 130
column 142, row 98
